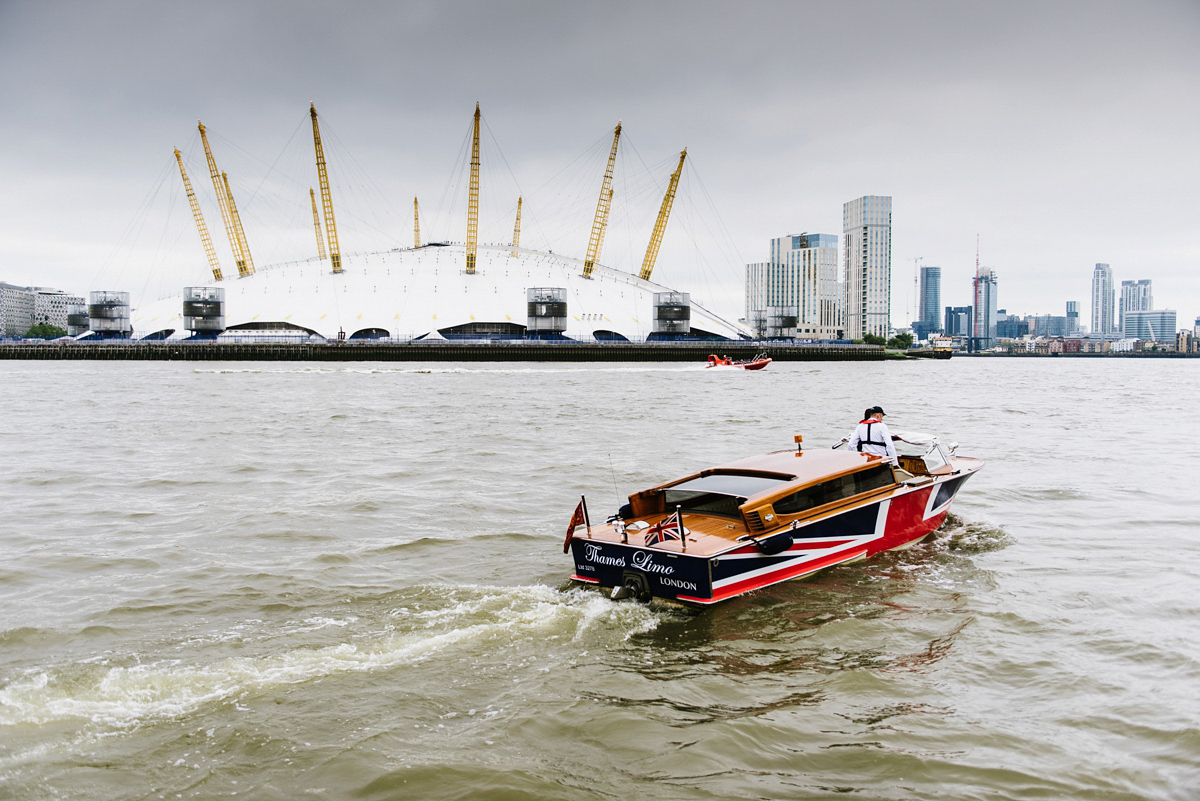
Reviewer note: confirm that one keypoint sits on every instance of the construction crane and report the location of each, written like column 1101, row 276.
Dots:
column 473, row 199
column 209, row 250
column 660, row 225
column 516, row 243
column 335, row 253
column 317, row 225
column 237, row 227
column 416, row 225
column 596, row 241
column 223, row 204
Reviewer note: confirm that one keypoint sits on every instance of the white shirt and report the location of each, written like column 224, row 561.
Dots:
column 874, row 438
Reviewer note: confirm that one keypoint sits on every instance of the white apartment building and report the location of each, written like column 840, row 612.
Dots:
column 796, row 293
column 1103, row 301
column 1135, row 296
column 50, row 306
column 867, row 266
column 22, row 307
column 16, row 310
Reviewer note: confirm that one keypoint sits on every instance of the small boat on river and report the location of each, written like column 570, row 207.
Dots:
column 757, row 363
column 739, row 527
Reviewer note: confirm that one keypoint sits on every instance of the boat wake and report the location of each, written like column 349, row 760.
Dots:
column 423, row 624
column 965, row 537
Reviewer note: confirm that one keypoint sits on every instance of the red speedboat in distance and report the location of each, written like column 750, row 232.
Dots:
column 757, row 363
column 732, row 529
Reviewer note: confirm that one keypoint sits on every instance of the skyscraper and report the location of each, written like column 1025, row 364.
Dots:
column 985, row 308
column 867, row 266
column 1135, row 296
column 929, row 303
column 1103, row 301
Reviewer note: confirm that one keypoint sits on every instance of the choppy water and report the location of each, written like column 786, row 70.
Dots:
column 296, row 581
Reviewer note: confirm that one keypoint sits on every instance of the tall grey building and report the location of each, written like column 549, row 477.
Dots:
column 795, row 294
column 985, row 308
column 929, row 303
column 1072, row 317
column 867, row 266
column 1135, row 296
column 1103, row 301
column 958, row 321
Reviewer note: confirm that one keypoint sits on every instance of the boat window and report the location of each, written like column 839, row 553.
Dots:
column 711, row 503
column 834, row 490
column 719, row 493
column 738, row 484
column 935, row 458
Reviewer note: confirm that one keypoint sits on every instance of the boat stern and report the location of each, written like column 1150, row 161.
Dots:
column 644, row 572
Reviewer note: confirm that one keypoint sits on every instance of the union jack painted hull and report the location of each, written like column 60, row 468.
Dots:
column 900, row 519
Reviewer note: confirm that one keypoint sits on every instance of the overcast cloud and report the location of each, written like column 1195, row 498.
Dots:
column 1062, row 134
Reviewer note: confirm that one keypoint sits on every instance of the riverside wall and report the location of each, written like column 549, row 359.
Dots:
column 520, row 351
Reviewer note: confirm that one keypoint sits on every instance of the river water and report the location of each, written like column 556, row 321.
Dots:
column 292, row 581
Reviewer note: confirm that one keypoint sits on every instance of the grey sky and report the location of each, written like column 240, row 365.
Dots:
column 1061, row 133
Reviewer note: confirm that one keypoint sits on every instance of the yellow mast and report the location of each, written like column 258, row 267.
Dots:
column 416, row 225
column 660, row 225
column 317, row 225
column 209, row 250
column 237, row 229
column 223, row 204
column 596, row 241
column 335, row 253
column 604, row 229
column 473, row 199
column 516, row 231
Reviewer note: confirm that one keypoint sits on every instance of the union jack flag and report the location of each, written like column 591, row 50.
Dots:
column 670, row 528
column 577, row 519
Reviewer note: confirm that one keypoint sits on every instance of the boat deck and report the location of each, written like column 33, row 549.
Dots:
column 711, row 534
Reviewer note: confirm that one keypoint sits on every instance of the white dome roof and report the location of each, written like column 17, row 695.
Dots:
column 414, row 292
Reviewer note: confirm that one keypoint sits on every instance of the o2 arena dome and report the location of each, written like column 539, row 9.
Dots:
column 436, row 290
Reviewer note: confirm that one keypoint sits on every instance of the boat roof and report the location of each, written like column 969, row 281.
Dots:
column 775, row 469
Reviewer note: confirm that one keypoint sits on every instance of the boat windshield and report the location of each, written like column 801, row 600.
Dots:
column 718, row 493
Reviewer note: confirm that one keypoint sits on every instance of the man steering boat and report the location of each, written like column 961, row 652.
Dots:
column 872, row 436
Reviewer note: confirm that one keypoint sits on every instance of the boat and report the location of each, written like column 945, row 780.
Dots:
column 733, row 529
column 757, row 363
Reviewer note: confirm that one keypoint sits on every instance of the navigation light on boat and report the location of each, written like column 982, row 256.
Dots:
column 799, row 442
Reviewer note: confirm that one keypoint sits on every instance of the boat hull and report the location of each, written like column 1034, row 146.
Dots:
column 895, row 521
column 752, row 364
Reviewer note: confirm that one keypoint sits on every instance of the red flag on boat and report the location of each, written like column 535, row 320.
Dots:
column 670, row 528
column 577, row 519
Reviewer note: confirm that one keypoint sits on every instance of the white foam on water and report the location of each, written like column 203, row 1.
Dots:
column 168, row 689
